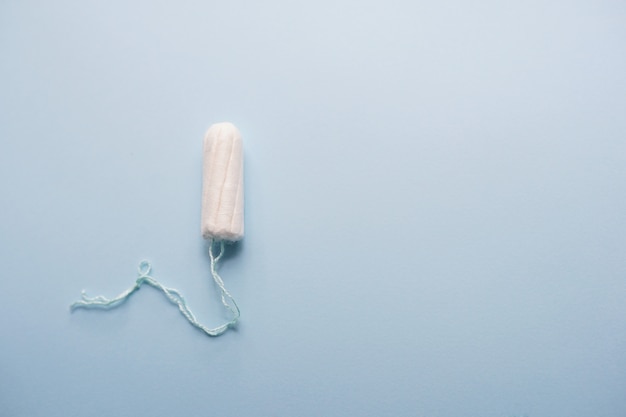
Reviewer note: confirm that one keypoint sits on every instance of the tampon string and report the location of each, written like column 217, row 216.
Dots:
column 173, row 295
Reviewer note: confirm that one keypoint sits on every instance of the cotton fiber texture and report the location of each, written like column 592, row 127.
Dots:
column 222, row 183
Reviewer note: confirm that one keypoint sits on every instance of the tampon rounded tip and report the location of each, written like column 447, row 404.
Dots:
column 223, row 131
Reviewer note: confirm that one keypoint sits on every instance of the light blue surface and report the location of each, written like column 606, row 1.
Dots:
column 435, row 196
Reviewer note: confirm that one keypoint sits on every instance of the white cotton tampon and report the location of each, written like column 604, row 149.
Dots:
column 222, row 183
column 222, row 220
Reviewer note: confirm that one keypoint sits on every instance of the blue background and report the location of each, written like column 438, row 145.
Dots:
column 435, row 196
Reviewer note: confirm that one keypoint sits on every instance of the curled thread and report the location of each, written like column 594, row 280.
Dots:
column 172, row 294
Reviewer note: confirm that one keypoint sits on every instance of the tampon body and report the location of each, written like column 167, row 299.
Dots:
column 222, row 183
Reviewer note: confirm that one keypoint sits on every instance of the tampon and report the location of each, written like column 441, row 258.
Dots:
column 222, row 220
column 222, row 183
